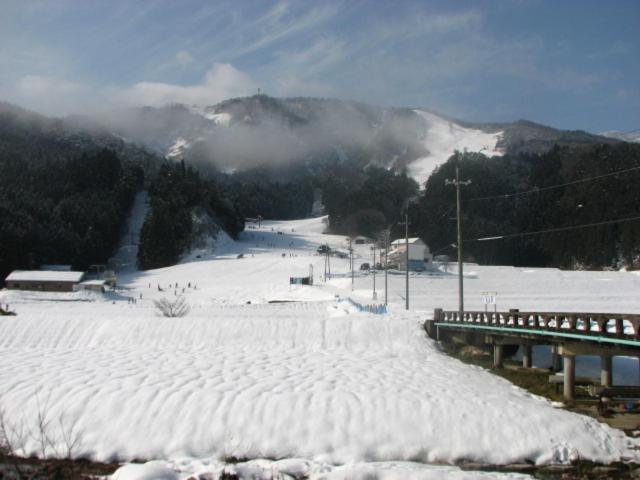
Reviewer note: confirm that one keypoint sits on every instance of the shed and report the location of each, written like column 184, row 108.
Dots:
column 419, row 255
column 92, row 285
column 43, row 280
column 361, row 240
column 56, row 268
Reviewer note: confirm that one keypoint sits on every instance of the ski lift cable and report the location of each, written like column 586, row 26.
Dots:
column 552, row 230
column 553, row 187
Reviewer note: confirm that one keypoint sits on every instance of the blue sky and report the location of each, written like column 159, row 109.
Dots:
column 568, row 64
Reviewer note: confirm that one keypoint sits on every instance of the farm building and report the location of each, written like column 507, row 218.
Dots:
column 361, row 240
column 56, row 267
column 92, row 285
column 419, row 256
column 43, row 280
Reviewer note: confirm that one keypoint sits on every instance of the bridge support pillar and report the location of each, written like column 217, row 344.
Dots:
column 555, row 359
column 527, row 355
column 498, row 356
column 569, row 377
column 606, row 370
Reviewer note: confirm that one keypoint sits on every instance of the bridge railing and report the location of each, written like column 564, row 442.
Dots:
column 614, row 325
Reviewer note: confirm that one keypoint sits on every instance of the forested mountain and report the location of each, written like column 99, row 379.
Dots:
column 64, row 191
column 66, row 187
column 63, row 210
column 608, row 198
column 66, row 184
column 175, row 193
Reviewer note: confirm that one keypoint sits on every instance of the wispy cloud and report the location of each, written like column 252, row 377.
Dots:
column 222, row 81
column 456, row 57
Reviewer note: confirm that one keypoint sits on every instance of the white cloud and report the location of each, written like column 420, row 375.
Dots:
column 39, row 85
column 58, row 96
column 184, row 58
column 222, row 81
column 50, row 95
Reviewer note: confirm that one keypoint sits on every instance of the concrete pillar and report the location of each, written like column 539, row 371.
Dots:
column 498, row 356
column 569, row 377
column 606, row 370
column 527, row 356
column 556, row 364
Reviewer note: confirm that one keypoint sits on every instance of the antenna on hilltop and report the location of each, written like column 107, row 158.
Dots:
column 259, row 90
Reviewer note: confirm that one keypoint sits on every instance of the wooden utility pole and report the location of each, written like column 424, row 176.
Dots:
column 375, row 294
column 406, row 258
column 351, row 259
column 457, row 184
column 327, row 265
column 387, row 233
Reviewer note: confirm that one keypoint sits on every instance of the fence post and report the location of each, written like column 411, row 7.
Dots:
column 514, row 313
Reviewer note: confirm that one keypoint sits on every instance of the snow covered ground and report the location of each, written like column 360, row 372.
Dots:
column 310, row 379
column 443, row 137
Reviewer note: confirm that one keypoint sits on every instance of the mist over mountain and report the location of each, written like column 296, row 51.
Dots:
column 250, row 132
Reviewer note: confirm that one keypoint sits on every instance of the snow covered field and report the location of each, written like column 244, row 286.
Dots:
column 310, row 379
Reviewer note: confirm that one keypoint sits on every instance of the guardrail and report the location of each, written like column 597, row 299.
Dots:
column 371, row 308
column 615, row 326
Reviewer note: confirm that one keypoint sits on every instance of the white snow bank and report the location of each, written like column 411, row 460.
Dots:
column 300, row 468
column 277, row 381
column 147, row 471
column 443, row 137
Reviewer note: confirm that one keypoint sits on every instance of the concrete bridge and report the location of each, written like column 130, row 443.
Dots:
column 569, row 334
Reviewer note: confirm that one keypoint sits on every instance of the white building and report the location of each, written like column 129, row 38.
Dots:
column 420, row 257
column 43, row 280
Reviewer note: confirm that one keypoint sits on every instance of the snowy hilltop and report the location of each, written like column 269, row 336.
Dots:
column 261, row 131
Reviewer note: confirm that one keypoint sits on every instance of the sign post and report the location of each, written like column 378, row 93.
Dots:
column 489, row 298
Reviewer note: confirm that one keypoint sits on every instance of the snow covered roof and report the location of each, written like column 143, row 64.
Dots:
column 57, row 268
column 412, row 241
column 44, row 276
column 94, row 282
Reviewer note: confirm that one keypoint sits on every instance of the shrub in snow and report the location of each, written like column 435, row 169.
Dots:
column 178, row 308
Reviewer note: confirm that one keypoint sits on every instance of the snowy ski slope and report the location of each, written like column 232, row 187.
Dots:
column 312, row 379
column 443, row 137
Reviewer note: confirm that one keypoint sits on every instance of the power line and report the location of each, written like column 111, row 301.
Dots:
column 552, row 187
column 551, row 230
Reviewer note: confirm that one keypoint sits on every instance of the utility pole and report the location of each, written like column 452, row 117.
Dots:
column 406, row 258
column 375, row 294
column 351, row 260
column 327, row 265
column 457, row 184
column 386, row 263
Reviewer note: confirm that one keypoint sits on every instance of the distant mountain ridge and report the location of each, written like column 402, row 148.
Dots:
column 261, row 131
column 246, row 132
column 632, row 136
column 27, row 134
